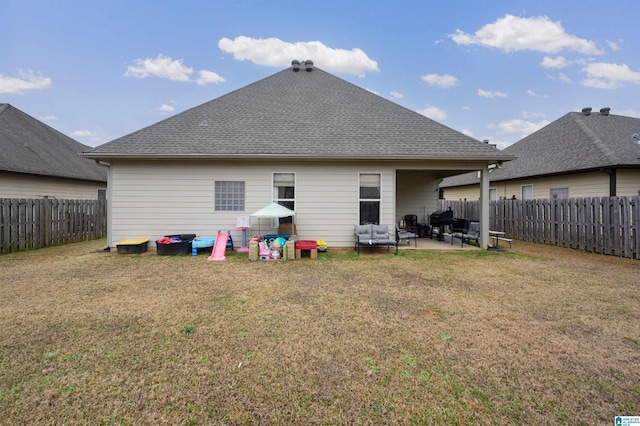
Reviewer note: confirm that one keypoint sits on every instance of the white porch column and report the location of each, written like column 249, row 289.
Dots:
column 484, row 208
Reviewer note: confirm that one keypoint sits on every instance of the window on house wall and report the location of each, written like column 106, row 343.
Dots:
column 369, row 198
column 527, row 192
column 102, row 194
column 559, row 193
column 229, row 196
column 284, row 193
column 493, row 194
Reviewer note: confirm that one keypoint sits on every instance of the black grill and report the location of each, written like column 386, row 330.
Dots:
column 438, row 220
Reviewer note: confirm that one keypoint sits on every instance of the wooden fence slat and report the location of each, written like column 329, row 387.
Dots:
column 625, row 225
column 27, row 224
column 635, row 203
column 597, row 224
column 606, row 225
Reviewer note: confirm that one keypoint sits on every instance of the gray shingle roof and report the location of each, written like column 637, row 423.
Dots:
column 299, row 114
column 575, row 142
column 29, row 146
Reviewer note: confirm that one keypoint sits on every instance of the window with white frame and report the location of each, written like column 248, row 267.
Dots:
column 229, row 196
column 493, row 194
column 284, row 193
column 369, row 198
column 527, row 192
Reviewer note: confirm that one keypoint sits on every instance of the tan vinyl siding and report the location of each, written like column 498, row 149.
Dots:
column 417, row 193
column 152, row 199
column 469, row 192
column 590, row 184
column 628, row 182
column 25, row 186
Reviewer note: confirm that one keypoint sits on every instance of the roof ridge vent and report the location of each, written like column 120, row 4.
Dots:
column 308, row 64
column 605, row 111
column 295, row 65
column 586, row 111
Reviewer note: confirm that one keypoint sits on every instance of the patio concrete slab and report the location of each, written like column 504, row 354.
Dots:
column 434, row 244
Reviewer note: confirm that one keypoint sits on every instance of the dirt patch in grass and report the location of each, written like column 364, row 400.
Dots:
column 532, row 335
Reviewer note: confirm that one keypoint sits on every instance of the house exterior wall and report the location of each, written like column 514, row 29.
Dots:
column 588, row 184
column 467, row 192
column 13, row 185
column 150, row 199
column 416, row 193
column 628, row 182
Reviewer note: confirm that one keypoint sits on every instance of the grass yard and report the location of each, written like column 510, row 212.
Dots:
column 532, row 335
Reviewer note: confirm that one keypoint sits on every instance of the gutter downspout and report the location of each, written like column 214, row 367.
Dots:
column 109, row 215
column 613, row 182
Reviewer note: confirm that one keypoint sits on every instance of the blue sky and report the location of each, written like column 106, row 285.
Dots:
column 496, row 70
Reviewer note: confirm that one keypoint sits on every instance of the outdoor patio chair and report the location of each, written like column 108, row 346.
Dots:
column 412, row 225
column 473, row 233
column 405, row 235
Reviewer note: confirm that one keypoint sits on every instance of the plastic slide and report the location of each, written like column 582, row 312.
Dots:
column 220, row 246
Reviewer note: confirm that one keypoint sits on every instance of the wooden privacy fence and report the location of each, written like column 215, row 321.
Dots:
column 30, row 224
column 606, row 225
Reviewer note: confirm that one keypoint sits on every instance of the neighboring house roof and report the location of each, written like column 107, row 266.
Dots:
column 573, row 143
column 31, row 147
column 299, row 115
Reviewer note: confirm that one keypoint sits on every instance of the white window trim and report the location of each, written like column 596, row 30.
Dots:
column 275, row 222
column 379, row 199
column 522, row 191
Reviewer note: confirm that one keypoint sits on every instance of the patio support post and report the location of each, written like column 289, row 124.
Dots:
column 484, row 208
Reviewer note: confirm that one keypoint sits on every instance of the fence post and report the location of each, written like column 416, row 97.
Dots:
column 635, row 205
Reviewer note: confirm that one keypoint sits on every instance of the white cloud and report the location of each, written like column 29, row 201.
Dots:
column 535, row 95
column 26, row 80
column 175, row 70
column 501, row 144
column 47, row 118
column 609, row 76
column 539, row 34
column 207, row 77
column 519, row 127
column 165, row 109
column 82, row 133
column 526, row 114
column 493, row 140
column 615, row 45
column 467, row 132
column 559, row 62
column 563, row 78
column 372, row 91
column 274, row 52
column 396, row 95
column 162, row 66
column 438, row 80
column 432, row 112
column 489, row 94
column 629, row 112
